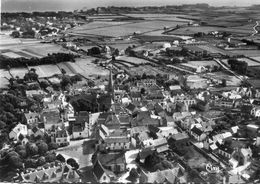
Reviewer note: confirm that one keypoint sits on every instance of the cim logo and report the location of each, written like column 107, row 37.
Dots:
column 211, row 168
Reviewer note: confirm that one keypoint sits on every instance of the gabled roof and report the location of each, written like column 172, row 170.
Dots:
column 31, row 115
column 196, row 131
column 179, row 136
column 168, row 175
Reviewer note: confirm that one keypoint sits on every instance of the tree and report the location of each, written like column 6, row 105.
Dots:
column 44, row 84
column 224, row 82
column 63, row 71
column 41, row 161
column 22, row 153
column 15, row 162
column 60, row 158
column 142, row 91
column 32, row 149
column 50, row 157
column 19, row 147
column 15, row 34
column 94, row 51
column 42, row 148
column 65, row 81
column 75, row 78
column 72, row 162
column 30, row 163
column 133, row 175
column 2, row 125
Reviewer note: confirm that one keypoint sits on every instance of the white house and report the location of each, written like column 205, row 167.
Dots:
column 19, row 129
column 62, row 137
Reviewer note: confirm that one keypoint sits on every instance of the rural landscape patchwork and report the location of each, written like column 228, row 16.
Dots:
column 120, row 94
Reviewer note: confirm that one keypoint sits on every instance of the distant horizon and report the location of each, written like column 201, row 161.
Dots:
column 71, row 5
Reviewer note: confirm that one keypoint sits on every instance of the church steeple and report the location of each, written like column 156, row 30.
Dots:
column 110, row 88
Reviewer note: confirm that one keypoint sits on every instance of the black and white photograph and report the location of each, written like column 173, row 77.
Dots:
column 130, row 91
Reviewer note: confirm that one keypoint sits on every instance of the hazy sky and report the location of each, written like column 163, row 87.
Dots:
column 42, row 5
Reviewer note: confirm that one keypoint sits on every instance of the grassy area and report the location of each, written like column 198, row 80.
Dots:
column 194, row 158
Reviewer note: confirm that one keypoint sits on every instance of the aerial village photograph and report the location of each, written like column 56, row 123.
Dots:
column 130, row 91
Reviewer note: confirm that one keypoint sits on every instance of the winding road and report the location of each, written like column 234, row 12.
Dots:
column 254, row 28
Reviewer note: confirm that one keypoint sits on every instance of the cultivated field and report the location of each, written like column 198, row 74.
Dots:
column 27, row 48
column 132, row 59
column 248, row 53
column 149, row 70
column 18, row 72
column 249, row 61
column 241, row 30
column 256, row 58
column 126, row 28
column 231, row 80
column 46, row 70
column 85, row 67
column 203, row 63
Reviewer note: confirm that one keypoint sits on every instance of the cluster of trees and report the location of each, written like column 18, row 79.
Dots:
column 67, row 81
column 10, row 114
column 50, row 59
column 239, row 66
column 30, row 155
column 155, row 162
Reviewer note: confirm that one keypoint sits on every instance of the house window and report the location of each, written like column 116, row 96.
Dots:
column 79, row 133
column 104, row 177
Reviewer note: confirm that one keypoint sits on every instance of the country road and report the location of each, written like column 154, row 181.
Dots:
column 254, row 28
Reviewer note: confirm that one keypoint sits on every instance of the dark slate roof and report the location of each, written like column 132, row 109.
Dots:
column 131, row 107
column 196, row 131
column 98, row 170
column 145, row 153
column 226, row 148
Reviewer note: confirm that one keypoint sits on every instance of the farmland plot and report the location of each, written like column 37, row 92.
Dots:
column 46, row 70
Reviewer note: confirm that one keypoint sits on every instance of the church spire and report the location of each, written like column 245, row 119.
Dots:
column 110, row 81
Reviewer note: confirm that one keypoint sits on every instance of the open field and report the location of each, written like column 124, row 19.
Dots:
column 20, row 72
column 65, row 66
column 231, row 80
column 46, row 70
column 28, row 48
column 256, row 58
column 3, row 81
column 195, row 159
column 213, row 49
column 202, row 63
column 98, row 24
column 149, row 70
column 132, row 59
column 243, row 30
column 249, row 61
column 171, row 17
column 85, row 67
column 127, row 28
column 248, row 53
